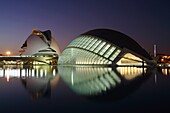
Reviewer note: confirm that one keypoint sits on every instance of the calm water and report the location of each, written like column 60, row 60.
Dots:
column 53, row 89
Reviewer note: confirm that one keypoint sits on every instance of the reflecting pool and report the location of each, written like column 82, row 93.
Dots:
column 52, row 89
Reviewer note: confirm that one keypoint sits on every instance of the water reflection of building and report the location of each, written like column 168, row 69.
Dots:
column 90, row 81
column 106, row 47
column 130, row 73
column 38, row 80
column 166, row 71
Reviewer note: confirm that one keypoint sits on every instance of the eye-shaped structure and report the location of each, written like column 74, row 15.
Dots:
column 104, row 47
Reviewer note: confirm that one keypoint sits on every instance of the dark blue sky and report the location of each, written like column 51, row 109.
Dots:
column 146, row 21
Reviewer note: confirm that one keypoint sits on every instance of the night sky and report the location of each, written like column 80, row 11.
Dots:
column 146, row 21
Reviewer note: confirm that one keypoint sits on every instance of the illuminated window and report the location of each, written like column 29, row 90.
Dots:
column 84, row 42
column 131, row 56
column 81, row 42
column 88, row 42
column 79, row 56
column 77, row 41
column 104, row 49
column 99, row 47
column 109, row 52
column 109, row 62
column 91, row 44
column 130, row 59
column 115, row 55
column 95, row 45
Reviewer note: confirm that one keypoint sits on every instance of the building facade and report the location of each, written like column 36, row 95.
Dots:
column 42, row 45
column 104, row 47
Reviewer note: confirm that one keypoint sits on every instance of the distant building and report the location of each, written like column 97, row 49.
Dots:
column 163, row 59
column 104, row 47
column 40, row 44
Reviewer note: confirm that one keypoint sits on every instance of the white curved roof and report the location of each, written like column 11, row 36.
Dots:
column 40, row 43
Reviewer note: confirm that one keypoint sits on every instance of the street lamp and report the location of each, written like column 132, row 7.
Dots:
column 8, row 53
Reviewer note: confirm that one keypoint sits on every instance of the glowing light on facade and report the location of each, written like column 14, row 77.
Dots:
column 130, row 59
